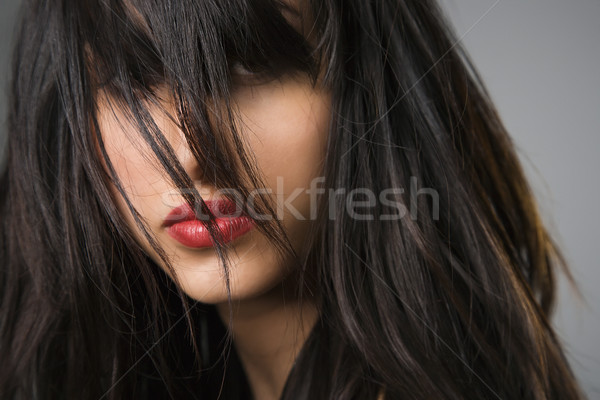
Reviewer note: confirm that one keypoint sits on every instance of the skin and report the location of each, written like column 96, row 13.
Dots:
column 284, row 123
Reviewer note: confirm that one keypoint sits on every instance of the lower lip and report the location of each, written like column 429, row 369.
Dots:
column 194, row 234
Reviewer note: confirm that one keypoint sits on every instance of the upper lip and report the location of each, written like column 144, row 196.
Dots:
column 184, row 212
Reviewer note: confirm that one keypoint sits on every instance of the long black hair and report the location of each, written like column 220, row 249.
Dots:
column 451, row 302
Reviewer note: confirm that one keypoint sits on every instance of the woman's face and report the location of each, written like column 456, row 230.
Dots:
column 284, row 123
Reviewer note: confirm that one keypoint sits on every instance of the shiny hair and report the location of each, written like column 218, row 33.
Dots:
column 448, row 305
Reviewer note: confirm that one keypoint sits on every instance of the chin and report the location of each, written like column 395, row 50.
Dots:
column 254, row 270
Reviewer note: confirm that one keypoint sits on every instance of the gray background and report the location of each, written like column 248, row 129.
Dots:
column 541, row 62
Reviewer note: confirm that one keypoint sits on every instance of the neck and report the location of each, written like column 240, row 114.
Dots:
column 269, row 332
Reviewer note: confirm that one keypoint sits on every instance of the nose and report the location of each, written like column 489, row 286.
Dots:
column 176, row 138
column 186, row 157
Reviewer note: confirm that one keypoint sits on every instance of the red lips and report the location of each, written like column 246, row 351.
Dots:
column 187, row 228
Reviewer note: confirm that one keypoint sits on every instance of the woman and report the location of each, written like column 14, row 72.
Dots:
column 265, row 199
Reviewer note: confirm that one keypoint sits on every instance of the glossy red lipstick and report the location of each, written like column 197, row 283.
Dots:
column 183, row 225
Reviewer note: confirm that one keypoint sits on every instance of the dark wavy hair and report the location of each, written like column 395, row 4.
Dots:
column 452, row 305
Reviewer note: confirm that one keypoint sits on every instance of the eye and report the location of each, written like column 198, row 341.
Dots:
column 239, row 69
column 249, row 75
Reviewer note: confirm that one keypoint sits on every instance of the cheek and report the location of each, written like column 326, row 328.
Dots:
column 133, row 162
column 286, row 127
column 126, row 159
